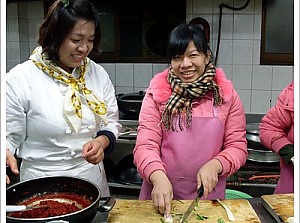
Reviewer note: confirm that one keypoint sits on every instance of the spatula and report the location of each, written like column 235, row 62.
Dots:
column 14, row 208
column 228, row 211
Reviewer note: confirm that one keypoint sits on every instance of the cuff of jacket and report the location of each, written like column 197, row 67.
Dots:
column 150, row 168
column 112, row 141
column 10, row 148
column 279, row 143
column 287, row 152
column 225, row 168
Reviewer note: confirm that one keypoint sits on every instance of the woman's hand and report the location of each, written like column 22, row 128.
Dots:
column 162, row 193
column 93, row 151
column 208, row 175
column 11, row 162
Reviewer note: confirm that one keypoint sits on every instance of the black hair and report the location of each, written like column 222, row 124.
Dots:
column 182, row 35
column 60, row 21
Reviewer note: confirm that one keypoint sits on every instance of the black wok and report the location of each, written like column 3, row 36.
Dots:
column 130, row 104
column 58, row 184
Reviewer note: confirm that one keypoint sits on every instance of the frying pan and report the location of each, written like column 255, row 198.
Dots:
column 25, row 190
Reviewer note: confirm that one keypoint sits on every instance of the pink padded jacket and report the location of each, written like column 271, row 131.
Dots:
column 276, row 131
column 231, row 113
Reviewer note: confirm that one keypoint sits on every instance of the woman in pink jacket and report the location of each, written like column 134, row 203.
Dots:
column 277, row 134
column 191, row 125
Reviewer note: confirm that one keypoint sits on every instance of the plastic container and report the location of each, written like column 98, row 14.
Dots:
column 235, row 194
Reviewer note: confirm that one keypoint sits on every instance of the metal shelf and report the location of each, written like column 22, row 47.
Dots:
column 112, row 183
column 126, row 141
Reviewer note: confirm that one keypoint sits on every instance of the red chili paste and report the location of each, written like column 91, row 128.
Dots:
column 54, row 204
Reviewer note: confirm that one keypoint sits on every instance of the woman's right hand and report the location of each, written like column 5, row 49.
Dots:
column 162, row 193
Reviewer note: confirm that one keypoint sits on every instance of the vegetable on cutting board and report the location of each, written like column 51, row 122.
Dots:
column 220, row 220
column 168, row 219
column 201, row 217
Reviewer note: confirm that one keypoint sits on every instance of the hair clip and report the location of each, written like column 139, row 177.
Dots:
column 65, row 2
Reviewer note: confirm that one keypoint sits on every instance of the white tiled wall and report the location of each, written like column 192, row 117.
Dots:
column 258, row 85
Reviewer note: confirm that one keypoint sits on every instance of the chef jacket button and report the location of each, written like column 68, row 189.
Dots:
column 90, row 127
column 73, row 153
column 68, row 131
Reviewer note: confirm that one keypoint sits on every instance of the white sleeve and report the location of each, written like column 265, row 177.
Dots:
column 15, row 112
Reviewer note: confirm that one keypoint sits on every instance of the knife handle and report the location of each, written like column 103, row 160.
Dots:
column 200, row 191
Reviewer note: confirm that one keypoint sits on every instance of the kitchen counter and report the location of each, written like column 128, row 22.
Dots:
column 256, row 204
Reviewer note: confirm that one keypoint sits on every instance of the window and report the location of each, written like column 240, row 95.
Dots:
column 136, row 31
column 277, row 40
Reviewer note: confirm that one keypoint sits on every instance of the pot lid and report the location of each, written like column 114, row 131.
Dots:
column 135, row 96
column 252, row 128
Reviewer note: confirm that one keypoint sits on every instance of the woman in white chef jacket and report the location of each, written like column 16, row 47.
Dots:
column 61, row 110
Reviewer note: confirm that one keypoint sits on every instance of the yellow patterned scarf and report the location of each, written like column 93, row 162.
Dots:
column 72, row 101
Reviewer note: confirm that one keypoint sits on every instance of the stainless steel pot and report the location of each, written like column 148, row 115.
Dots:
column 256, row 151
column 27, row 189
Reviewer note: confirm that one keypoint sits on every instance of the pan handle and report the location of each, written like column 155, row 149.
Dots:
column 109, row 203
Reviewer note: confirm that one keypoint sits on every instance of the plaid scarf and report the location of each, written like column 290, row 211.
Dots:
column 76, row 86
column 179, row 104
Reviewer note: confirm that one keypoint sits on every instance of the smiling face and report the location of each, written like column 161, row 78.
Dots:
column 77, row 45
column 191, row 65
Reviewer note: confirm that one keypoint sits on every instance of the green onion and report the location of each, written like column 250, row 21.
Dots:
column 220, row 220
column 201, row 217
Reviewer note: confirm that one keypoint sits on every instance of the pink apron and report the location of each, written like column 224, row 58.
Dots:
column 184, row 152
column 286, row 181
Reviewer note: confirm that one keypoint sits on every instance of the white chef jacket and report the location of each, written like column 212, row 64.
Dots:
column 36, row 127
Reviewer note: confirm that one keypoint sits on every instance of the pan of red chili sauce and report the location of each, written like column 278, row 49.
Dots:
column 70, row 199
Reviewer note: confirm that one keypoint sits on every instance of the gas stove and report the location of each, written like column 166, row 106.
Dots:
column 124, row 147
column 255, row 178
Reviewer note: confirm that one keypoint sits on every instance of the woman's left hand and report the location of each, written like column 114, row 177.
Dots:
column 208, row 175
column 93, row 151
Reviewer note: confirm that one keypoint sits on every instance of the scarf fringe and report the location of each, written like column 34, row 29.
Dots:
column 177, row 119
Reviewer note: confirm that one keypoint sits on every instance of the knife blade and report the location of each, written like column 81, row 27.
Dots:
column 192, row 205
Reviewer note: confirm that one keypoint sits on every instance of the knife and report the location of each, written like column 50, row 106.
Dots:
column 192, row 205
